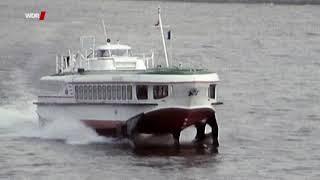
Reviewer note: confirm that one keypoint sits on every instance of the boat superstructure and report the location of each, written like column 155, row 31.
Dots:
column 117, row 93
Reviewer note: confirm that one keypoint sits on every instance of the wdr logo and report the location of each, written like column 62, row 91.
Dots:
column 39, row 16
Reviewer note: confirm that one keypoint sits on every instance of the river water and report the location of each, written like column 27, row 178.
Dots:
column 267, row 57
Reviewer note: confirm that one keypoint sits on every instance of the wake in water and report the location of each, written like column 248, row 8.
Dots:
column 24, row 123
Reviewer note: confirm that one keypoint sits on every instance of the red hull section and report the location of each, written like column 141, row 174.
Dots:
column 162, row 121
column 170, row 120
column 105, row 127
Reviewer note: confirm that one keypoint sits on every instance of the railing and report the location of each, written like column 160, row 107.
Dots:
column 71, row 62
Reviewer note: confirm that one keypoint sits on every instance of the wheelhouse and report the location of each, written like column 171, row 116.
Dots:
column 109, row 50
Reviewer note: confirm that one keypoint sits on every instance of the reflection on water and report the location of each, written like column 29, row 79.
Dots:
column 184, row 150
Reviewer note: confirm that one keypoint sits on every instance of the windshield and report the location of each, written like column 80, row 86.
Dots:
column 119, row 52
column 102, row 53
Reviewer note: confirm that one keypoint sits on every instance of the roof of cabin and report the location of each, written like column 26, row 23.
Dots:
column 178, row 71
column 154, row 71
column 137, row 76
column 113, row 46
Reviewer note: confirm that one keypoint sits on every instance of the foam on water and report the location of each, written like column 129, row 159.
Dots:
column 10, row 117
column 16, row 122
column 24, row 123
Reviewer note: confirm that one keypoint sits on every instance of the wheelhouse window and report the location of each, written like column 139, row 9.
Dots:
column 142, row 92
column 119, row 52
column 212, row 91
column 102, row 53
column 160, row 91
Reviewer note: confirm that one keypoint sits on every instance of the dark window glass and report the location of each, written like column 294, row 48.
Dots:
column 76, row 92
column 80, row 89
column 212, row 91
column 94, row 92
column 99, row 92
column 90, row 92
column 160, row 91
column 109, row 92
column 129, row 92
column 104, row 93
column 142, row 91
column 118, row 92
column 85, row 92
column 102, row 53
column 124, row 92
column 114, row 92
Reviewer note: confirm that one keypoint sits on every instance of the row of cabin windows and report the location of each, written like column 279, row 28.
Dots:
column 103, row 92
column 118, row 92
column 124, row 92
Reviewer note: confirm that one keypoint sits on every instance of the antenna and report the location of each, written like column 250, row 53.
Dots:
column 163, row 40
column 105, row 31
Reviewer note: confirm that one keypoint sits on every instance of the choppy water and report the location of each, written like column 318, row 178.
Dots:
column 267, row 56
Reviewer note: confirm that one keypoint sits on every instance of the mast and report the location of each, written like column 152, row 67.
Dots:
column 104, row 31
column 163, row 40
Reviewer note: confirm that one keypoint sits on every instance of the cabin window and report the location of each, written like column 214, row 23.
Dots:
column 114, row 92
column 212, row 91
column 142, row 92
column 129, row 92
column 109, row 92
column 102, row 53
column 80, row 91
column 118, row 92
column 85, row 92
column 160, row 91
column 90, row 92
column 124, row 92
column 104, row 93
column 99, row 92
column 94, row 92
column 76, row 92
